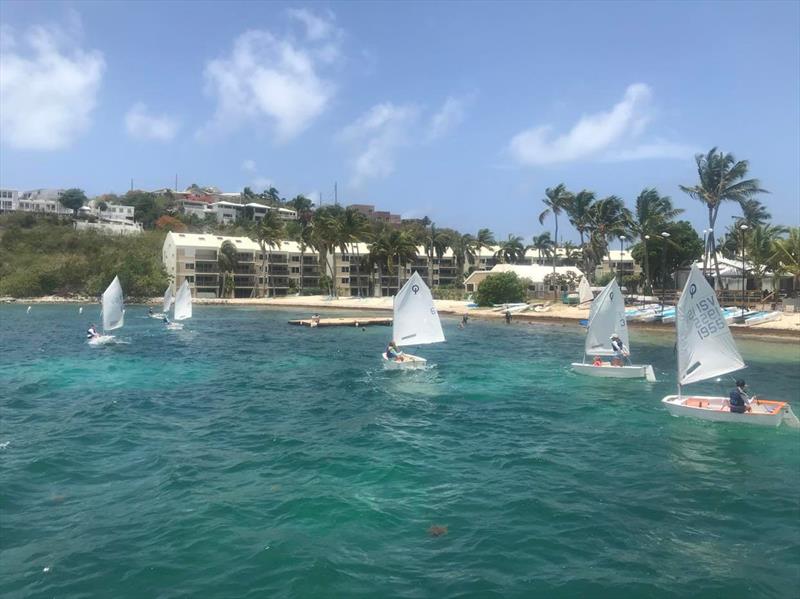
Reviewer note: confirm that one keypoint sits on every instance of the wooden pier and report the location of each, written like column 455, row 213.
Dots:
column 366, row 321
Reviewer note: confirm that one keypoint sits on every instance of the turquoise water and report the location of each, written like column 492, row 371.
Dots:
column 243, row 457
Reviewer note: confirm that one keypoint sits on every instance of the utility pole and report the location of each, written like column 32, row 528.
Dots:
column 176, row 181
column 335, row 193
column 665, row 235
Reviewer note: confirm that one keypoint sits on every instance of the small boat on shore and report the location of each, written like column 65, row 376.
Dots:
column 415, row 322
column 706, row 350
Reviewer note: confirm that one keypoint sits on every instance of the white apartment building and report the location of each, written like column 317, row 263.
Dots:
column 42, row 201
column 225, row 207
column 8, row 200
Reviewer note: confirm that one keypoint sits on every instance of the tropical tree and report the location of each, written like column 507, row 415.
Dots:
column 500, row 288
column 556, row 200
column 435, row 241
column 721, row 179
column 753, row 213
column 393, row 247
column 651, row 214
column 327, row 236
column 607, row 218
column 543, row 244
column 484, row 239
column 760, row 243
column 268, row 232
column 511, row 250
column 355, row 228
column 303, row 206
column 572, row 254
column 72, row 199
column 785, row 257
column 683, row 246
column 227, row 261
column 463, row 247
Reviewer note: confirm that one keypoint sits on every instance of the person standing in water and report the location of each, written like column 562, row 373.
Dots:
column 508, row 316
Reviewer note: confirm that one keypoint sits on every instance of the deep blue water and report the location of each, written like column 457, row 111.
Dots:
column 243, row 457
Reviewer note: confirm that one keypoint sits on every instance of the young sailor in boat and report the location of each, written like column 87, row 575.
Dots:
column 620, row 351
column 393, row 353
column 597, row 361
column 165, row 320
column 739, row 400
column 91, row 333
column 150, row 311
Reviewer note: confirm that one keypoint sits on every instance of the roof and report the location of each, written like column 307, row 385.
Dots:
column 535, row 272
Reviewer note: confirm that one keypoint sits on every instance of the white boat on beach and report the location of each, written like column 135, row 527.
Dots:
column 512, row 308
column 706, row 350
column 183, row 307
column 415, row 322
column 606, row 318
column 760, row 317
column 112, row 314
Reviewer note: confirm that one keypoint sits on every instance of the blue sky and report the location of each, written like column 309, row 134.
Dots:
column 462, row 112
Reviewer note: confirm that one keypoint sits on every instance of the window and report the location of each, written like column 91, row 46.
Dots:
column 295, row 270
column 345, row 258
column 295, row 258
column 189, row 266
column 345, row 269
column 190, row 278
column 345, row 280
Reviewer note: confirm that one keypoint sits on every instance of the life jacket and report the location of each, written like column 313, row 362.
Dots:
column 735, row 398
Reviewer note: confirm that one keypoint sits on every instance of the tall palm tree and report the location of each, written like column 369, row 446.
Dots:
column 484, row 239
column 395, row 248
column 543, row 244
column 722, row 179
column 608, row 218
column 463, row 247
column 572, row 254
column 578, row 210
column 759, row 244
column 511, row 250
column 556, row 201
column 754, row 213
column 785, row 257
column 652, row 212
column 435, row 241
column 328, row 231
column 227, row 261
column 355, row 228
column 268, row 232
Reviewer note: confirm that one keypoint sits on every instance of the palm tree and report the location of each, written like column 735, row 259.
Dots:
column 327, row 235
column 652, row 212
column 268, row 232
column 754, row 213
column 556, row 200
column 608, row 218
column 393, row 247
column 484, row 239
column 463, row 247
column 572, row 254
column 760, row 243
column 227, row 261
column 511, row 250
column 722, row 179
column 355, row 228
column 543, row 244
column 785, row 257
column 436, row 243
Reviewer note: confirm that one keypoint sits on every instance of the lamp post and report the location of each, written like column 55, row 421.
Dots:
column 647, row 265
column 743, row 228
column 665, row 235
column 619, row 262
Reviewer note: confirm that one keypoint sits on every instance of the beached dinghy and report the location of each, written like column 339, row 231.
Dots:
column 183, row 307
column 585, row 295
column 168, row 299
column 606, row 318
column 706, row 350
column 113, row 313
column 415, row 322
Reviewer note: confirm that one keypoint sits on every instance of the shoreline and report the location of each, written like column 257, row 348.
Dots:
column 787, row 329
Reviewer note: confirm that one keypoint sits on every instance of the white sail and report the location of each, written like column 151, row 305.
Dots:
column 606, row 318
column 705, row 345
column 113, row 308
column 585, row 294
column 167, row 299
column 183, row 302
column 416, row 321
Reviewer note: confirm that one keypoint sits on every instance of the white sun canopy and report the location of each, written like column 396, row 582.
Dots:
column 183, row 302
column 416, row 321
column 113, row 308
column 705, row 345
column 606, row 318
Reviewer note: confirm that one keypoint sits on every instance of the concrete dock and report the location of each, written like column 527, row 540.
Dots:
column 366, row 321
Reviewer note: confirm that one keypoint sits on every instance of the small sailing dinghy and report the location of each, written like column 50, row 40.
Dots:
column 607, row 318
column 168, row 299
column 706, row 350
column 415, row 322
column 585, row 295
column 182, row 308
column 113, row 313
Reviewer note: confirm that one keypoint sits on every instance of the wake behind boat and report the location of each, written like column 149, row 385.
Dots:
column 607, row 335
column 706, row 350
column 415, row 322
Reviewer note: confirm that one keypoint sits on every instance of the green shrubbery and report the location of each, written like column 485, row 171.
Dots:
column 44, row 256
column 501, row 288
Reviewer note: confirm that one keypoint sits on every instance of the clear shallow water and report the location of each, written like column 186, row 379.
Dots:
column 243, row 457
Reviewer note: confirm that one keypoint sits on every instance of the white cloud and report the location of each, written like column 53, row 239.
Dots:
column 273, row 79
column 379, row 133
column 48, row 88
column 656, row 149
column 142, row 125
column 449, row 116
column 249, row 166
column 601, row 135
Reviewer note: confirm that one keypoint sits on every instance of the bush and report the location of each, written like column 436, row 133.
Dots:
column 448, row 293
column 501, row 288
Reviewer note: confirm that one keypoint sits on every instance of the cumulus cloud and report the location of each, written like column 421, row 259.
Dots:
column 142, row 125
column 447, row 118
column 273, row 79
column 48, row 88
column 606, row 135
column 379, row 133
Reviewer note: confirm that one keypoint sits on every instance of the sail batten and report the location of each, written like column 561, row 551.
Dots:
column 183, row 302
column 606, row 317
column 416, row 321
column 113, row 307
column 706, row 348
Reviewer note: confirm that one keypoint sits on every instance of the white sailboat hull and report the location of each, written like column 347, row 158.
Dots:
column 174, row 326
column 615, row 372
column 764, row 413
column 409, row 362
column 101, row 340
column 157, row 315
